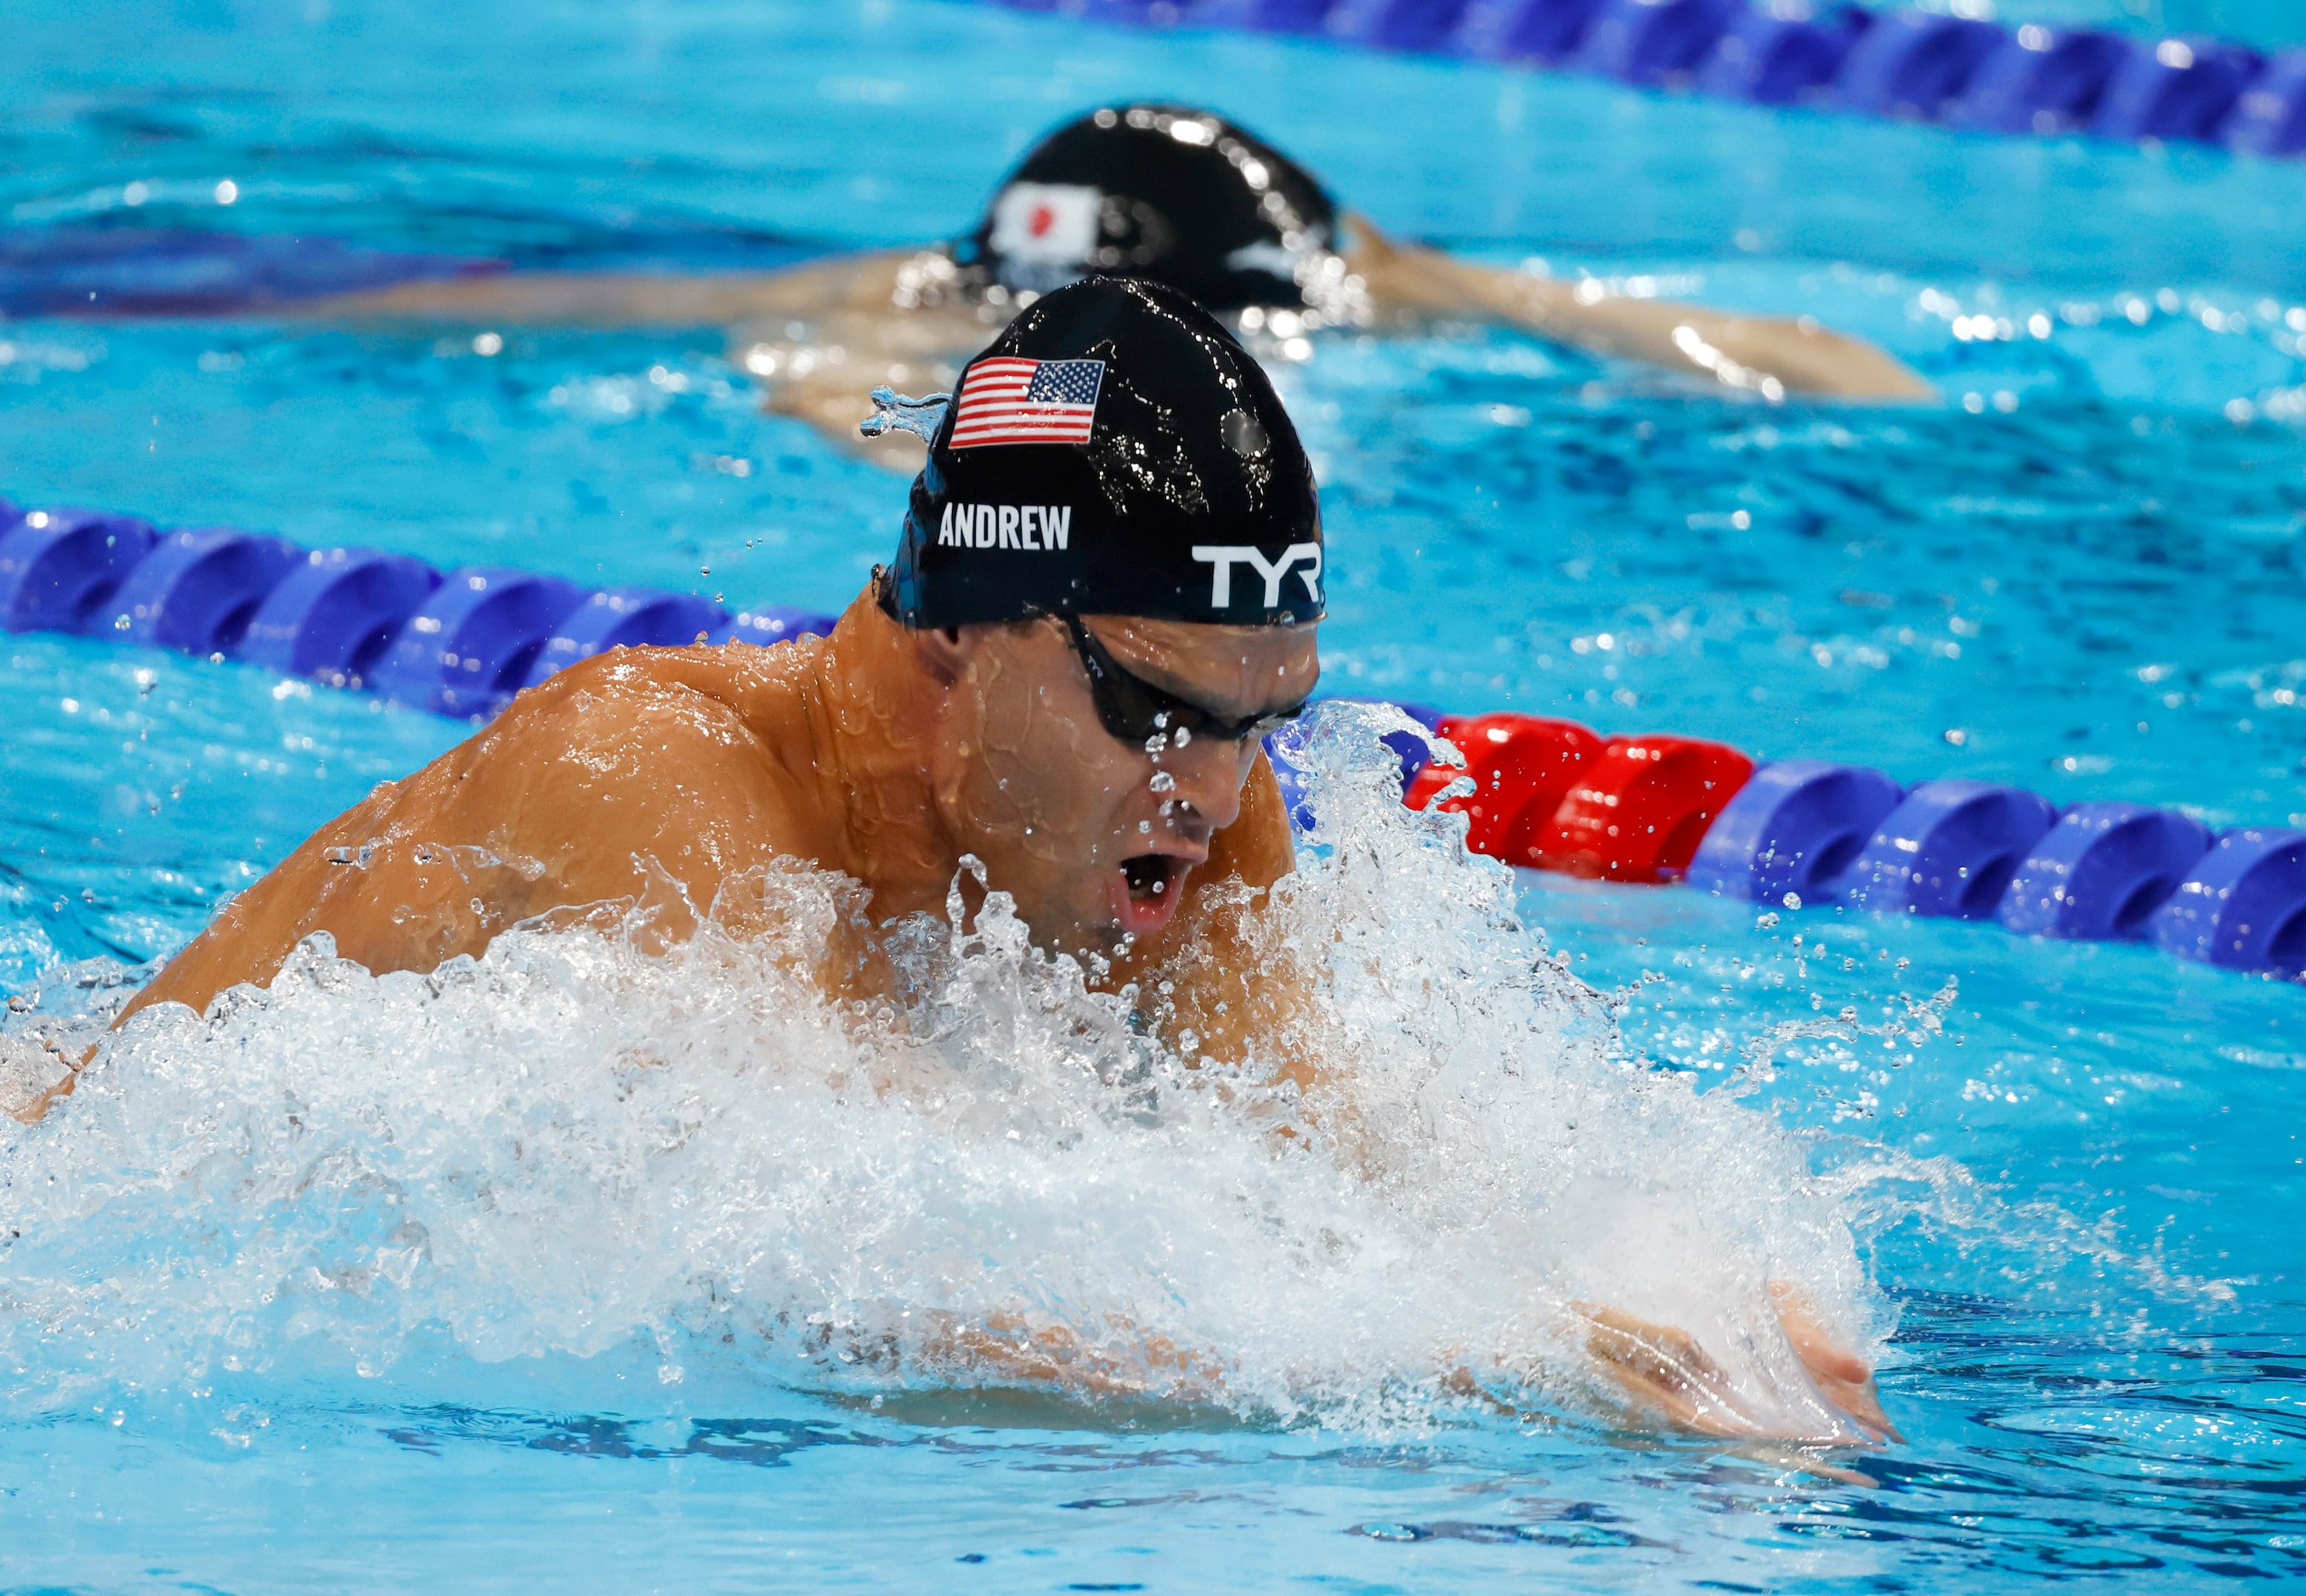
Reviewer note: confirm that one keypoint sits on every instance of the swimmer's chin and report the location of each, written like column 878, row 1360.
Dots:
column 1144, row 892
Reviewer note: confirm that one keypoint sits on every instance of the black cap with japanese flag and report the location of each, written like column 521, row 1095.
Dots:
column 1116, row 452
column 1162, row 191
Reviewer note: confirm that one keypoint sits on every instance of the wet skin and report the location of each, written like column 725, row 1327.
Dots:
column 658, row 775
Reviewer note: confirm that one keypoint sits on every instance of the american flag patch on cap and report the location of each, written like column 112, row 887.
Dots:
column 1027, row 401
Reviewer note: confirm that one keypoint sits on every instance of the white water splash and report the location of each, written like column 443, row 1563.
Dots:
column 572, row 1145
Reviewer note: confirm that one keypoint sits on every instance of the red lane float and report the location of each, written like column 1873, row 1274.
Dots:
column 1522, row 768
column 1555, row 796
column 1638, row 810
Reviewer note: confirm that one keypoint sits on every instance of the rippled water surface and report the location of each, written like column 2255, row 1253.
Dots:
column 389, row 1283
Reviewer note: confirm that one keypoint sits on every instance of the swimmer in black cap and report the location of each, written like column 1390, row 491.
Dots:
column 1107, row 589
column 1171, row 195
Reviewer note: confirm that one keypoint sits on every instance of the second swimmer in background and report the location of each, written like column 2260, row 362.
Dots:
column 1161, row 191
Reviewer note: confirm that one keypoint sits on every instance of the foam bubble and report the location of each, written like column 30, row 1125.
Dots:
column 580, row 1142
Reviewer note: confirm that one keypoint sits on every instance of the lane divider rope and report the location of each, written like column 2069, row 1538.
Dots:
column 1547, row 794
column 1905, row 66
column 1553, row 794
column 458, row 642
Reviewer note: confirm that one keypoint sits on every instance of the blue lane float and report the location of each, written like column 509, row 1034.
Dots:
column 468, row 649
column 1523, row 32
column 1655, row 43
column 460, row 645
column 2176, row 89
column 1398, row 24
column 1948, row 849
column 58, row 566
column 625, row 618
column 2270, row 118
column 169, row 272
column 335, row 614
column 2041, row 81
column 197, row 590
column 1910, row 65
column 1913, row 65
column 1793, row 828
column 2102, row 871
column 2244, row 906
column 1769, row 60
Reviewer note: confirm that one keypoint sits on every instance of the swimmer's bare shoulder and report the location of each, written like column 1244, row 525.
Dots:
column 620, row 774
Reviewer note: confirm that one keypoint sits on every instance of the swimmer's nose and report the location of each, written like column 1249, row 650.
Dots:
column 1207, row 793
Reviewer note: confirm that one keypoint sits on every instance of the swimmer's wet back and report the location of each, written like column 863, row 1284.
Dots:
column 1115, row 452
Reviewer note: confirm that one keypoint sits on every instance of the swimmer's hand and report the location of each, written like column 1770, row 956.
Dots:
column 1842, row 1377
column 35, row 1074
column 1663, row 1368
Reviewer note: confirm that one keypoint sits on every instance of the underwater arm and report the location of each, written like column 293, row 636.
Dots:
column 1760, row 353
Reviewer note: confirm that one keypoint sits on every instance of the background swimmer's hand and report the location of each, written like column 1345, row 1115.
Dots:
column 1015, row 1352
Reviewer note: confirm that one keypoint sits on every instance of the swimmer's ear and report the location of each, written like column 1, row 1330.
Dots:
column 943, row 650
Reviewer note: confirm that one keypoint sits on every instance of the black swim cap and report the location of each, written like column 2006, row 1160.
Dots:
column 1115, row 452
column 1160, row 192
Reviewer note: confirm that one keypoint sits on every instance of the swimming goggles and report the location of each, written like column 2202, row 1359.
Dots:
column 1137, row 711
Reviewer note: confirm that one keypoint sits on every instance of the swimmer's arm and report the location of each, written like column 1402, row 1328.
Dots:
column 1407, row 283
column 625, row 299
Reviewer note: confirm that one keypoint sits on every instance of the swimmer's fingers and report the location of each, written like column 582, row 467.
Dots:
column 1798, row 1461
column 1842, row 1377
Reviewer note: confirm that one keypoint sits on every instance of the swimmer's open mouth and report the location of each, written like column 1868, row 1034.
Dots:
column 1146, row 890
column 1152, row 876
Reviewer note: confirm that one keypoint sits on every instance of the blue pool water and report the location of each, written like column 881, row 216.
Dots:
column 385, row 1286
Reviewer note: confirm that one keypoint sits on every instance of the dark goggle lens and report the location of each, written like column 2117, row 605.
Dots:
column 1136, row 711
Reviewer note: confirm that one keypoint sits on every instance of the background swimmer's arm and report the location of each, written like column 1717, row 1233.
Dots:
column 1409, row 284
column 621, row 299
